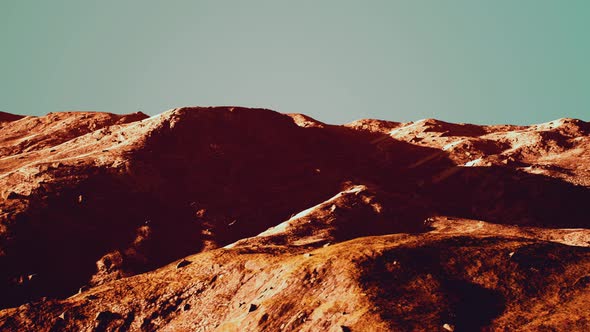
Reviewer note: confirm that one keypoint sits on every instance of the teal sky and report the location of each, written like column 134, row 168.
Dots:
column 525, row 61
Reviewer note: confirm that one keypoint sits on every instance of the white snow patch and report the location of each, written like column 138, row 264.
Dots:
column 452, row 145
column 395, row 131
column 473, row 162
column 172, row 110
column 155, row 116
column 229, row 246
column 405, row 128
column 285, row 225
column 282, row 227
column 277, row 229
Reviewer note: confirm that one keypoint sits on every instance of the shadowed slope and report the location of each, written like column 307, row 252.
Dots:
column 175, row 184
column 134, row 194
column 395, row 282
column 7, row 117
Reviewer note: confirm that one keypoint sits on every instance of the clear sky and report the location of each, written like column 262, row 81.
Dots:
column 502, row 61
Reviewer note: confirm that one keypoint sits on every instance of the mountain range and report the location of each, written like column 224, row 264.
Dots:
column 240, row 219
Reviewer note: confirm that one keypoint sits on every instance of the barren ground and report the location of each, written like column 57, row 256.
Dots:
column 235, row 219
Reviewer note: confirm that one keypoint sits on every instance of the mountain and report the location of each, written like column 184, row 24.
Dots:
column 237, row 219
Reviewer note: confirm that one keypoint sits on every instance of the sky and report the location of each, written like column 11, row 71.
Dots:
column 486, row 62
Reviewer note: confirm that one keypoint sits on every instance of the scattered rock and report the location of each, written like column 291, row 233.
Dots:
column 448, row 327
column 263, row 319
column 182, row 263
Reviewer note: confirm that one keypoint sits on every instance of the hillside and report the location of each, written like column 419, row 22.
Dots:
column 236, row 219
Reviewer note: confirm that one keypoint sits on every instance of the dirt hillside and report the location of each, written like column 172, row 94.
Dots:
column 236, row 219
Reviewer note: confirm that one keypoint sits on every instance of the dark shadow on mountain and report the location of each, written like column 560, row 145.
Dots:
column 414, row 287
column 54, row 247
column 9, row 117
column 209, row 177
column 507, row 196
column 472, row 306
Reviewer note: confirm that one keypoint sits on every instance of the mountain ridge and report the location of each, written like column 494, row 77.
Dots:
column 140, row 197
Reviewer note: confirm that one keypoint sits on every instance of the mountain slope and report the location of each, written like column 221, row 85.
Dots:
column 89, row 198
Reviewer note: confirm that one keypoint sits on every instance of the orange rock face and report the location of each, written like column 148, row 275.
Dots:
column 235, row 219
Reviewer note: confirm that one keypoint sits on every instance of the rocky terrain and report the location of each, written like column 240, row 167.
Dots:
column 236, row 219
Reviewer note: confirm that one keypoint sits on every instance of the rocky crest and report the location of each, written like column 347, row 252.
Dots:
column 235, row 219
